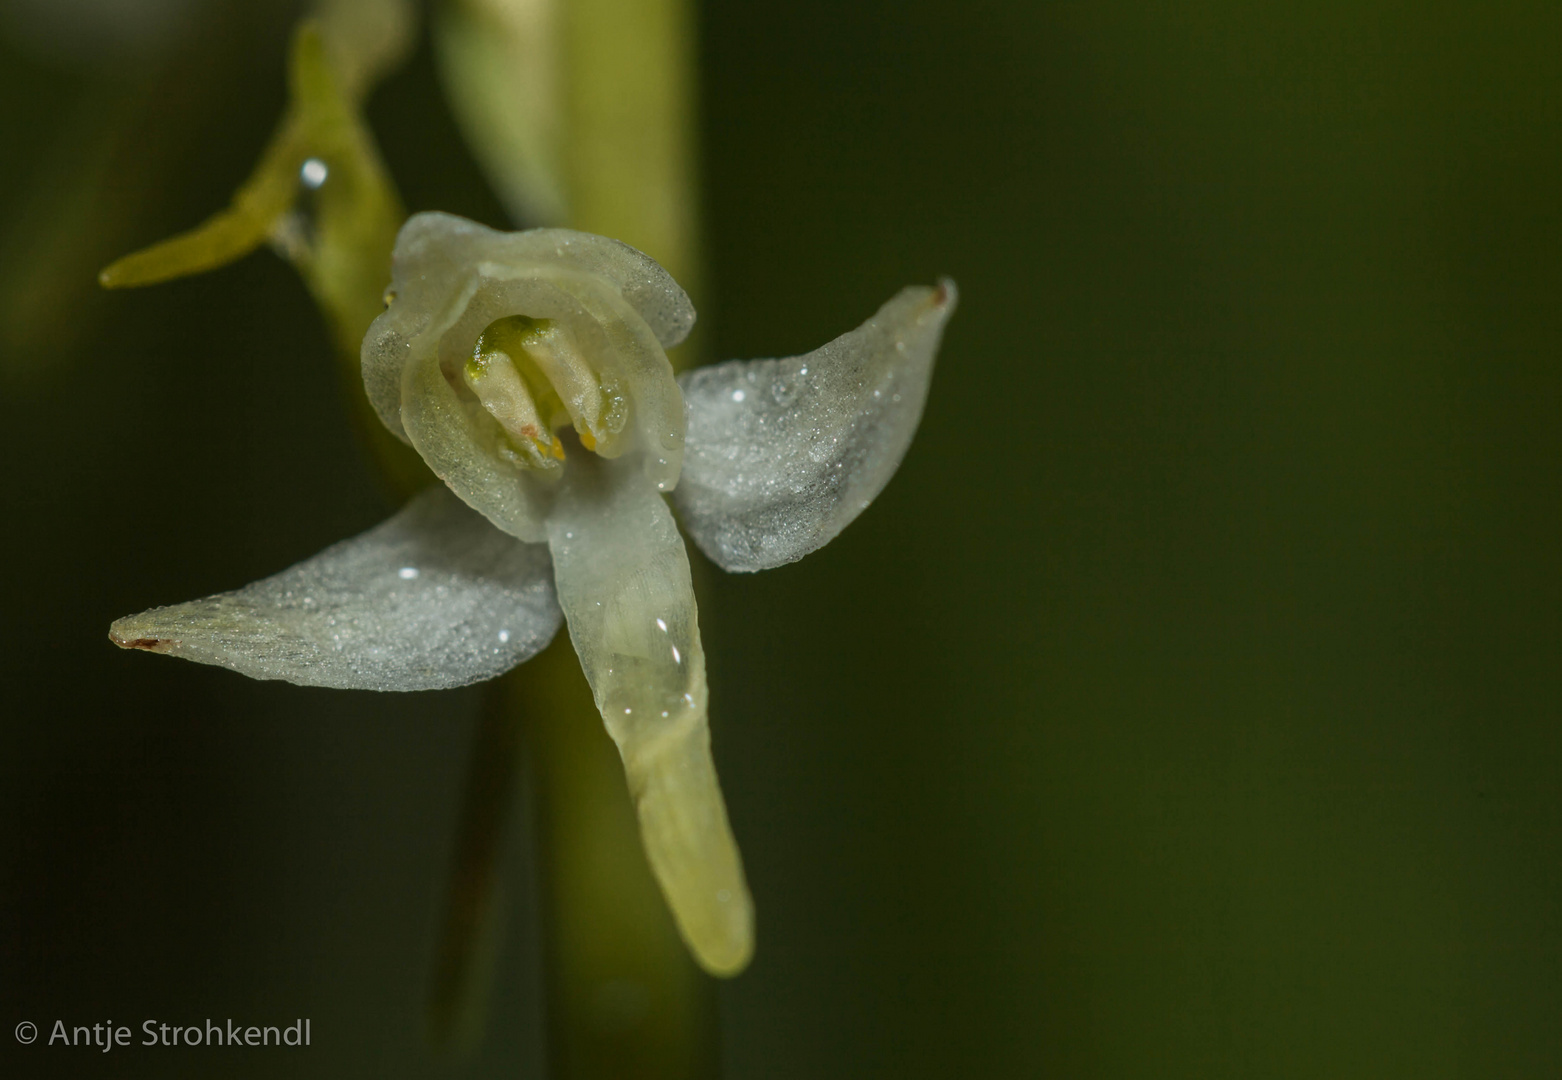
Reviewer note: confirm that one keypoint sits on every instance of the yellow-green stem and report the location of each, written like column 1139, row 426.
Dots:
column 624, row 998
column 615, row 957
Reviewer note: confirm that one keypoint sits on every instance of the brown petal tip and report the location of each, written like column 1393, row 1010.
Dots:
column 147, row 644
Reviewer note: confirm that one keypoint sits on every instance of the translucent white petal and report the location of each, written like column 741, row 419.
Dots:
column 432, row 598
column 782, row 455
column 451, row 279
column 623, row 581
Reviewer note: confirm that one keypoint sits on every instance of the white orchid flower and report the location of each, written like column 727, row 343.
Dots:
column 528, row 369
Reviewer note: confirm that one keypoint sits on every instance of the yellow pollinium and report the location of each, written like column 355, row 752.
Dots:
column 529, row 376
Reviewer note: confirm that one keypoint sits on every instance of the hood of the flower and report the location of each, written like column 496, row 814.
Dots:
column 492, row 342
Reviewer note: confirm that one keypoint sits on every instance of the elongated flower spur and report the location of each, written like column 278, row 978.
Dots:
column 528, row 369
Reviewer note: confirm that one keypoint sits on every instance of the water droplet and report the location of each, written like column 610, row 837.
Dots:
column 804, row 370
column 661, row 624
column 628, row 711
column 313, row 173
column 738, row 395
column 407, row 573
column 677, row 656
column 504, row 637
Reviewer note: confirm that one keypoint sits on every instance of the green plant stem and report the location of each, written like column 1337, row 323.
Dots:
column 629, row 153
column 624, row 998
column 464, row 954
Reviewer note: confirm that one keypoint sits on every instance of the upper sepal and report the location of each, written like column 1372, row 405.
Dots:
column 782, row 455
column 434, row 597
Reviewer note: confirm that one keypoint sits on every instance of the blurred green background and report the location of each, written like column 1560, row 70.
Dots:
column 1187, row 706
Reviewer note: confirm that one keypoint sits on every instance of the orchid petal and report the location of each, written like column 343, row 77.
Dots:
column 623, row 580
column 432, row 598
column 783, row 454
